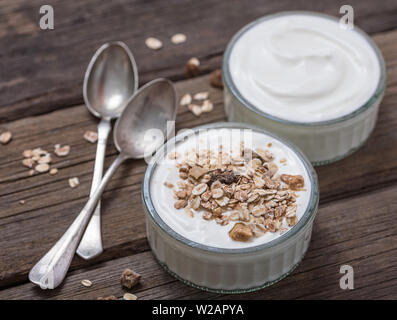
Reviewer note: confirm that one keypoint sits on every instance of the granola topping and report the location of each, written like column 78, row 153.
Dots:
column 263, row 200
column 246, row 195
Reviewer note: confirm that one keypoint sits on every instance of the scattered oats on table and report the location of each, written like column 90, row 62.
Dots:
column 86, row 283
column 61, row 151
column 28, row 153
column 178, row 38
column 153, row 43
column 53, row 171
column 201, row 95
column 74, row 182
column 129, row 278
column 42, row 167
column 186, row 100
column 216, row 79
column 129, row 296
column 195, row 109
column 207, row 106
column 192, row 67
column 5, row 137
column 91, row 136
column 21, row 201
column 28, row 162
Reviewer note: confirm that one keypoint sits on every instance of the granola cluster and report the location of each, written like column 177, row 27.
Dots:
column 246, row 189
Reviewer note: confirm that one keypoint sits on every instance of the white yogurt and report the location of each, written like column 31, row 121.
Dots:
column 209, row 232
column 304, row 68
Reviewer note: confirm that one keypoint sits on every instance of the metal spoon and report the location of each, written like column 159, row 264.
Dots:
column 151, row 107
column 110, row 80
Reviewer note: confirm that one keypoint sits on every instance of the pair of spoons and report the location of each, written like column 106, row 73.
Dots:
column 110, row 91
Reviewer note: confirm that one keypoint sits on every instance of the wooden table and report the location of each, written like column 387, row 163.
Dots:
column 41, row 103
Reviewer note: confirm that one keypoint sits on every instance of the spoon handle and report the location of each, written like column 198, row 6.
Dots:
column 50, row 271
column 91, row 244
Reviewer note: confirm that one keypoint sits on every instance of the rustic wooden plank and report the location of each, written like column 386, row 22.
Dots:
column 50, row 202
column 42, row 70
column 24, row 229
column 359, row 231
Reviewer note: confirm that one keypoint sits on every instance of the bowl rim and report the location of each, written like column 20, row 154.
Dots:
column 229, row 84
column 306, row 218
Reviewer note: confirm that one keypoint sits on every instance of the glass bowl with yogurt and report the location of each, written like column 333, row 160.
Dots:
column 229, row 207
column 307, row 78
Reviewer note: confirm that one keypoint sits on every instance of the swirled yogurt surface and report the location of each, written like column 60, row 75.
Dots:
column 208, row 232
column 304, row 68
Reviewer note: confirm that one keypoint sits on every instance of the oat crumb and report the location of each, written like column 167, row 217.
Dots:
column 86, row 283
column 74, row 182
column 192, row 67
column 153, row 43
column 91, row 136
column 5, row 137
column 186, row 100
column 129, row 278
column 178, row 38
column 129, row 296
column 216, row 79
column 201, row 96
column 168, row 185
column 61, row 151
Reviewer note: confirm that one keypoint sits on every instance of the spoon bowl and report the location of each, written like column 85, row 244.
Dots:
column 110, row 80
column 143, row 125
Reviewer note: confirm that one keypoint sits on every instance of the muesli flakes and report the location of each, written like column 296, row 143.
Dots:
column 178, row 38
column 186, row 100
column 195, row 109
column 129, row 278
column 74, row 182
column 86, row 283
column 168, row 185
column 42, row 167
column 216, row 79
column 91, row 136
column 244, row 190
column 5, row 137
column 129, row 296
column 28, row 162
column 28, row 153
column 61, row 151
column 201, row 95
column 153, row 43
column 207, row 106
column 192, row 67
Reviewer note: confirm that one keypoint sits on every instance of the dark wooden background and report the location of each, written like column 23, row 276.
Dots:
column 41, row 75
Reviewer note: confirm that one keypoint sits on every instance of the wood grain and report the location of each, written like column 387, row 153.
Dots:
column 50, row 205
column 359, row 231
column 355, row 224
column 42, row 70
